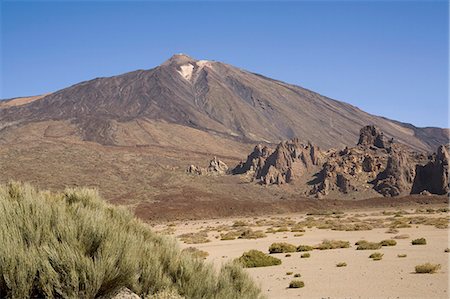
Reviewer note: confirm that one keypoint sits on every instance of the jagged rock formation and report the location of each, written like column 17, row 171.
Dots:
column 215, row 166
column 433, row 177
column 254, row 161
column 290, row 159
column 372, row 136
column 398, row 176
column 376, row 163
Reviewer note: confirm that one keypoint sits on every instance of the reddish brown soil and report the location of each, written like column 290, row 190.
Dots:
column 188, row 208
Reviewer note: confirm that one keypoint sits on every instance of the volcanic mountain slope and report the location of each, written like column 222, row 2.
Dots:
column 209, row 96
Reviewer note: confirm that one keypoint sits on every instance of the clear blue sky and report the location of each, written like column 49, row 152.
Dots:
column 389, row 58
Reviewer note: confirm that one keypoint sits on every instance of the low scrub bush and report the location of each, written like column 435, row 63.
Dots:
column 420, row 241
column 342, row 264
column 376, row 256
column 388, row 242
column 289, row 273
column 368, row 246
column 297, row 275
column 304, row 248
column 427, row 268
column 229, row 236
column 75, row 245
column 295, row 284
column 251, row 234
column 282, row 248
column 194, row 238
column 256, row 258
column 401, row 255
column 305, row 255
column 332, row 244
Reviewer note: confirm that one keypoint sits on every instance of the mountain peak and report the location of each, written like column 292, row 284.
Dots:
column 179, row 59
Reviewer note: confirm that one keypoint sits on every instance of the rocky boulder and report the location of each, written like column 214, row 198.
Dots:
column 433, row 176
column 398, row 176
column 216, row 167
column 372, row 136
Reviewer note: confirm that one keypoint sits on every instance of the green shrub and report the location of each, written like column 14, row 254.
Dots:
column 420, row 241
column 305, row 255
column 376, row 256
column 256, row 258
column 427, row 268
column 288, row 255
column 75, row 245
column 360, row 242
column 388, row 242
column 251, row 234
column 282, row 248
column 401, row 255
column 295, row 284
column 342, row 264
column 229, row 236
column 332, row 244
column 289, row 273
column 195, row 238
column 297, row 275
column 368, row 246
column 304, row 248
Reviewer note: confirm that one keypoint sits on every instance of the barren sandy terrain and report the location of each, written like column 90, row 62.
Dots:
column 391, row 277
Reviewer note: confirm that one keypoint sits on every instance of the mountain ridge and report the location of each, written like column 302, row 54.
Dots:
column 214, row 97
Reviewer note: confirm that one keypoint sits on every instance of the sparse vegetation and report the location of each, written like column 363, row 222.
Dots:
column 304, row 248
column 251, row 234
column 332, row 244
column 195, row 238
column 342, row 264
column 447, row 250
column 74, row 245
column 295, row 284
column 368, row 246
column 297, row 275
column 256, row 258
column 402, row 255
column 289, row 273
column 305, row 255
column 420, row 241
column 388, row 242
column 282, row 248
column 427, row 268
column 229, row 236
column 376, row 256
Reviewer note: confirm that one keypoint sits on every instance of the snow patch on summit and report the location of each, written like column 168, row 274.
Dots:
column 186, row 71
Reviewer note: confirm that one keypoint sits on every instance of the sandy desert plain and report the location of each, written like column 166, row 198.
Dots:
column 393, row 276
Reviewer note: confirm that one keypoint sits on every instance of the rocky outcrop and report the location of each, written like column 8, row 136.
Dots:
column 372, row 136
column 254, row 161
column 215, row 166
column 398, row 176
column 433, row 177
column 374, row 165
column 289, row 160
